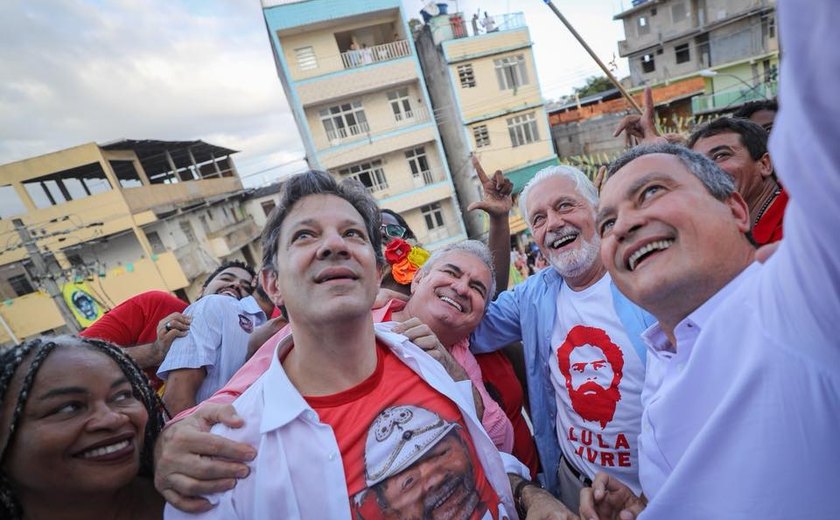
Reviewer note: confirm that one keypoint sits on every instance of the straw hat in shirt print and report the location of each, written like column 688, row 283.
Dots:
column 418, row 466
column 592, row 366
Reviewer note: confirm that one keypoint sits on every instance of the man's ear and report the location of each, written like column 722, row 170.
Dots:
column 416, row 280
column 268, row 280
column 765, row 165
column 740, row 211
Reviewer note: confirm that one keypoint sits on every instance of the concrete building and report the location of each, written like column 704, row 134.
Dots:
column 733, row 42
column 121, row 218
column 487, row 100
column 702, row 58
column 352, row 78
column 582, row 130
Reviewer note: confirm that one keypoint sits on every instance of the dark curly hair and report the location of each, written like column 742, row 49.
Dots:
column 36, row 351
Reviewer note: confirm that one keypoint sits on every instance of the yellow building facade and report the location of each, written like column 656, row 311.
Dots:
column 118, row 219
column 488, row 100
column 352, row 78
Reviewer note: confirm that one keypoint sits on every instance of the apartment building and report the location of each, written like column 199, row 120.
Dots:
column 352, row 78
column 487, row 100
column 731, row 43
column 119, row 218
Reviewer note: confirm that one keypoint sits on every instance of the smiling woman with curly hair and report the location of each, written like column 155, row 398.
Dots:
column 78, row 422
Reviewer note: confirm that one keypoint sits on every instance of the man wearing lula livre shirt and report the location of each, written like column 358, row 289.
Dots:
column 584, row 357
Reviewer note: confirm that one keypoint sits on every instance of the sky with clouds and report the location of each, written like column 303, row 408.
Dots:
column 76, row 71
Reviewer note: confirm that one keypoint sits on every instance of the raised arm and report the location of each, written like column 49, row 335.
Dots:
column 496, row 203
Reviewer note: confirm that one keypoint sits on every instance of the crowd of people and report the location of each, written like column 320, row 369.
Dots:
column 671, row 357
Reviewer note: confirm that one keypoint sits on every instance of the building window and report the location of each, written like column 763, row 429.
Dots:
column 642, row 26
column 511, row 72
column 465, row 74
column 433, row 214
column 187, row 230
column 419, row 164
column 345, row 120
column 482, row 136
column 20, row 284
column 400, row 104
column 648, row 64
column 73, row 184
column 126, row 174
column 523, row 129
column 768, row 26
column 683, row 53
column 306, row 59
column 370, row 174
column 678, row 12
column 267, row 206
column 156, row 243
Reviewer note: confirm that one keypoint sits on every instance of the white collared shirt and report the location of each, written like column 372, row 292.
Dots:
column 742, row 415
column 217, row 340
column 298, row 472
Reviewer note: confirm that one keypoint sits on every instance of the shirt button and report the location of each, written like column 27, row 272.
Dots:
column 332, row 456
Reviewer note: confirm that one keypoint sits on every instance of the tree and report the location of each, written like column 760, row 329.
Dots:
column 594, row 85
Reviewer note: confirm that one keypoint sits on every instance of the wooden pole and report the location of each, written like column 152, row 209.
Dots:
column 577, row 36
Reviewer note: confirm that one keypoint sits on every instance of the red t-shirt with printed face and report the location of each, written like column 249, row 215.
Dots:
column 405, row 448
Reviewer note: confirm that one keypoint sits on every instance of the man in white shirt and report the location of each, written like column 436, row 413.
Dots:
column 341, row 386
column 742, row 387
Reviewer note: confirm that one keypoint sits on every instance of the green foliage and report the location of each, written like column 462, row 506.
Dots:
column 594, row 85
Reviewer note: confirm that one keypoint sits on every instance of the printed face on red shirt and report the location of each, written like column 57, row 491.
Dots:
column 592, row 366
column 440, row 485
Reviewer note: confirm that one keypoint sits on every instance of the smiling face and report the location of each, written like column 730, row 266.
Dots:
column 233, row 281
column 563, row 224
column 441, row 484
column 325, row 266
column 728, row 151
column 667, row 242
column 452, row 296
column 81, row 430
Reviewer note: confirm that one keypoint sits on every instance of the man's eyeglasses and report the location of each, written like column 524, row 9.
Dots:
column 392, row 230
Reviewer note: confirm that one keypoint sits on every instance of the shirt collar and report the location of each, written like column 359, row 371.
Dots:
column 655, row 337
column 278, row 389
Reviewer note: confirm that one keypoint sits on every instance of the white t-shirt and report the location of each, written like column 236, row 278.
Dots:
column 598, row 378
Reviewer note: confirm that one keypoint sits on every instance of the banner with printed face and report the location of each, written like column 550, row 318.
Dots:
column 83, row 305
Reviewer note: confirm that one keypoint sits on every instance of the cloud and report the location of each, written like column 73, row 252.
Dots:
column 99, row 71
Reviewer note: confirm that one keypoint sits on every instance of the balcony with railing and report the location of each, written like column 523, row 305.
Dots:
column 336, row 134
column 732, row 98
column 355, row 58
column 343, row 134
column 454, row 26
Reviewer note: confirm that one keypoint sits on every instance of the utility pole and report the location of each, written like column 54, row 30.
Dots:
column 42, row 273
